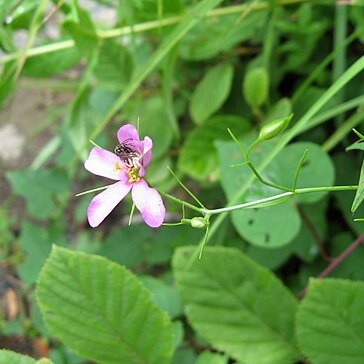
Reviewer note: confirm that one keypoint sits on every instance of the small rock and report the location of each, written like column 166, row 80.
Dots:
column 11, row 143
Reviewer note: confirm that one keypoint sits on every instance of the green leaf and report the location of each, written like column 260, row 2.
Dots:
column 198, row 157
column 82, row 30
column 207, row 357
column 256, row 86
column 10, row 357
column 330, row 322
column 214, row 35
column 40, row 188
column 36, row 243
column 317, row 169
column 243, row 310
column 101, row 311
column 51, row 63
column 165, row 296
column 114, row 66
column 359, row 195
column 211, row 92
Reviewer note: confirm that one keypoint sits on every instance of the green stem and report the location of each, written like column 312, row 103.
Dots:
column 299, row 191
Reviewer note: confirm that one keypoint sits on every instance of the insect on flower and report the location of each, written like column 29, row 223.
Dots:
column 127, row 166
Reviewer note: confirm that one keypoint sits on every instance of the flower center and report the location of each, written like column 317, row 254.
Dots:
column 133, row 174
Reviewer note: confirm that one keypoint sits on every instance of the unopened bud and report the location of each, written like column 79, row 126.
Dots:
column 198, row 222
column 274, row 128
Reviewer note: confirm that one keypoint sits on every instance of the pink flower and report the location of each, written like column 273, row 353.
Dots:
column 127, row 166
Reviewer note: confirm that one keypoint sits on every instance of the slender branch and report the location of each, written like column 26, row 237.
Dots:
column 337, row 261
column 298, row 191
column 311, row 228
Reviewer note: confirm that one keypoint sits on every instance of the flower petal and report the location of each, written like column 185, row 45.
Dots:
column 128, row 131
column 149, row 203
column 147, row 151
column 104, row 163
column 103, row 203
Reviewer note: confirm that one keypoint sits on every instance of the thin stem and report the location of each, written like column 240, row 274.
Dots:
column 250, row 165
column 131, row 214
column 185, row 188
column 313, row 231
column 337, row 261
column 186, row 204
column 298, row 169
column 93, row 190
column 299, row 191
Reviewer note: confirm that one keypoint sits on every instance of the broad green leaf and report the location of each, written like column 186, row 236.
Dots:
column 82, row 30
column 330, row 322
column 198, row 157
column 256, row 86
column 359, row 195
column 10, row 357
column 268, row 227
column 211, row 92
column 317, row 170
column 236, row 305
column 101, row 311
column 214, row 35
column 36, row 243
column 52, row 63
column 114, row 66
column 165, row 296
column 207, row 357
column 40, row 188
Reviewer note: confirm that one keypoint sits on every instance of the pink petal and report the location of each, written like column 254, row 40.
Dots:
column 126, row 132
column 103, row 203
column 147, row 150
column 149, row 203
column 104, row 163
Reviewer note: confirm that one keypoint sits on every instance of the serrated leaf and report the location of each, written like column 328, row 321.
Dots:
column 10, row 357
column 101, row 311
column 236, row 305
column 330, row 322
column 359, row 195
column 198, row 157
column 211, row 92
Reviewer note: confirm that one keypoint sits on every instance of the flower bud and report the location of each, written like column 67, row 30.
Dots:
column 198, row 222
column 274, row 128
